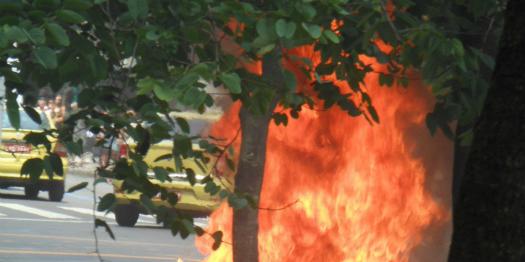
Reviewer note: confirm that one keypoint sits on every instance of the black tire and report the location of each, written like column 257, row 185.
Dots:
column 126, row 215
column 56, row 191
column 31, row 191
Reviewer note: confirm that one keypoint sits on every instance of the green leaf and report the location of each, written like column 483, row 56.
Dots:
column 182, row 145
column 198, row 230
column 45, row 57
column 32, row 167
column 152, row 35
column 69, row 17
column 331, row 36
column 144, row 140
column 106, row 202
column 466, row 138
column 183, row 124
column 3, row 40
column 187, row 227
column 100, row 180
column 164, row 92
column 203, row 71
column 457, row 47
column 224, row 193
column 183, row 226
column 33, row 114
column 285, row 29
column 74, row 147
column 78, row 5
column 190, row 175
column 217, row 239
column 85, row 98
column 101, row 223
column 138, row 8
column 431, row 122
column 77, row 187
column 46, row 4
column 237, row 202
column 11, row 5
column 161, row 174
column 58, row 33
column 313, row 30
column 486, row 59
column 386, row 79
column 290, row 30
column 187, row 80
column 38, row 138
column 373, row 113
column 148, row 204
column 37, row 35
column 280, row 27
column 290, row 80
column 447, row 131
column 47, row 167
column 232, row 81
column 13, row 113
column 173, row 198
column 266, row 49
column 15, row 34
column 265, row 29
column 306, row 9
column 56, row 164
column 211, row 188
column 146, row 85
column 230, row 163
column 386, row 33
column 105, row 173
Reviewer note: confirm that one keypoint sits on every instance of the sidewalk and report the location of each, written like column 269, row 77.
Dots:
column 83, row 169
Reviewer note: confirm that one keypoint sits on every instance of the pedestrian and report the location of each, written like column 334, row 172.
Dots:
column 41, row 105
column 59, row 111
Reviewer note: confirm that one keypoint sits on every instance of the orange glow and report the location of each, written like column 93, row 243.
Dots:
column 363, row 192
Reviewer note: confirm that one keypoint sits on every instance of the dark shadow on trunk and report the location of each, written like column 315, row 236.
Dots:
column 489, row 219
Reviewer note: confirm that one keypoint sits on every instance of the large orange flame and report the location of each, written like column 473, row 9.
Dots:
column 340, row 189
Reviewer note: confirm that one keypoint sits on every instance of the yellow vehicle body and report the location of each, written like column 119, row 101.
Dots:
column 192, row 200
column 14, row 151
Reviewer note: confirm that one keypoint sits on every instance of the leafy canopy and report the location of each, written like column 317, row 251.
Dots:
column 158, row 56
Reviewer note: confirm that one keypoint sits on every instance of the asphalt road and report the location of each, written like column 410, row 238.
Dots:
column 41, row 230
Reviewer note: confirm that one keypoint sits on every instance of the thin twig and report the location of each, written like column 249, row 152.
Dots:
column 133, row 59
column 94, row 214
column 279, row 208
column 221, row 154
column 486, row 35
column 94, row 209
column 383, row 7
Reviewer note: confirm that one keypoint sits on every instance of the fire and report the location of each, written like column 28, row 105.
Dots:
column 337, row 188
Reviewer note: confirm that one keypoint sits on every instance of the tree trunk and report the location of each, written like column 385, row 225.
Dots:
column 250, row 170
column 489, row 220
column 488, row 43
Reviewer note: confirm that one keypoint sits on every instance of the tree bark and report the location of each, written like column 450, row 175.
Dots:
column 250, row 170
column 489, row 220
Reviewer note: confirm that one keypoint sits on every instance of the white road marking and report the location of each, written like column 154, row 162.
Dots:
column 25, row 220
column 87, row 211
column 36, row 211
column 46, row 220
column 2, row 215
